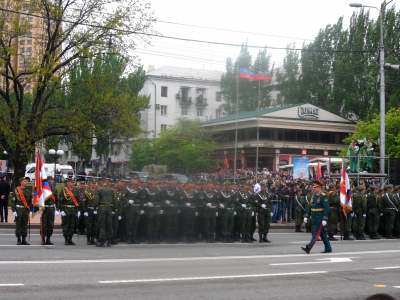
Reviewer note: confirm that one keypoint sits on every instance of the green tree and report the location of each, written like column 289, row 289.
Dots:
column 185, row 148
column 71, row 30
column 141, row 154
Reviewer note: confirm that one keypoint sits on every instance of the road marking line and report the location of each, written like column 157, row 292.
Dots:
column 11, row 284
column 191, row 258
column 397, row 286
column 324, row 261
column 212, row 277
column 385, row 268
column 21, row 246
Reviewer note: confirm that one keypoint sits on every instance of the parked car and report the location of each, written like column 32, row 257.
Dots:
column 180, row 177
column 140, row 175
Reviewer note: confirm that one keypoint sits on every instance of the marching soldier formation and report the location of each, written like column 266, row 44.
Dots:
column 159, row 211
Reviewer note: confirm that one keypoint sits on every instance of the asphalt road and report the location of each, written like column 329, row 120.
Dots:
column 279, row 270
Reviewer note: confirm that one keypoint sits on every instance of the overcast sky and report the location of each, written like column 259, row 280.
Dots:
column 262, row 23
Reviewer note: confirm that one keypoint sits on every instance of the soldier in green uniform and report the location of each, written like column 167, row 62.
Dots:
column 374, row 210
column 117, row 210
column 381, row 229
column 396, row 195
column 189, row 208
column 199, row 214
column 263, row 202
column 299, row 208
column 334, row 211
column 81, row 223
column 131, row 210
column 307, row 199
column 210, row 204
column 218, row 224
column 172, row 211
column 49, row 212
column 360, row 212
column 319, row 212
column 227, row 212
column 236, row 215
column 389, row 205
column 153, row 210
column 245, row 208
column 104, row 199
column 21, row 206
column 69, row 205
column 90, row 213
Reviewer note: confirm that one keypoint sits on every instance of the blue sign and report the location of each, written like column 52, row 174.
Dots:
column 300, row 168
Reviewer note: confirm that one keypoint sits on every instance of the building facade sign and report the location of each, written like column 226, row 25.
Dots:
column 308, row 112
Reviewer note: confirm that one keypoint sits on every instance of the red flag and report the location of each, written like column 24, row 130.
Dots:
column 319, row 173
column 226, row 163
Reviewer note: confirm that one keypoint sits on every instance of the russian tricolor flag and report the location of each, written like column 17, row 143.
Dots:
column 42, row 187
column 345, row 191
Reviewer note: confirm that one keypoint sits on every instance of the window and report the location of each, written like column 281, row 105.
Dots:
column 218, row 96
column 22, row 49
column 29, row 42
column 28, row 88
column 164, row 91
column 30, row 19
column 163, row 110
column 22, row 42
column 199, row 112
column 29, row 49
column 29, row 34
column 302, row 135
column 163, row 127
column 184, row 111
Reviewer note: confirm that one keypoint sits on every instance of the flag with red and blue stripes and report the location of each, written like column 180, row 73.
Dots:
column 42, row 187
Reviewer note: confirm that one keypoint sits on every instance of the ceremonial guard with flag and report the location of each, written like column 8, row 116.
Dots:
column 21, row 207
column 346, row 204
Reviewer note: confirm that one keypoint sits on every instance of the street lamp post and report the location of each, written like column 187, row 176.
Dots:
column 56, row 154
column 382, row 86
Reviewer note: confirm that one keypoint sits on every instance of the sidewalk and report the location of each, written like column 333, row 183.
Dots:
column 35, row 223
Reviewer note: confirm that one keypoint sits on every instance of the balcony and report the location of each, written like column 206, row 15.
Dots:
column 185, row 101
column 200, row 101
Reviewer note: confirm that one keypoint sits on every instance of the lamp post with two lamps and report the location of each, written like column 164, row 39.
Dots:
column 56, row 154
column 382, row 67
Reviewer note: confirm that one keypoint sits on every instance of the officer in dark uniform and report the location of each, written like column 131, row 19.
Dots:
column 4, row 193
column 49, row 212
column 396, row 195
column 153, row 210
column 210, row 204
column 90, row 213
column 389, row 205
column 319, row 212
column 245, row 209
column 299, row 208
column 227, row 212
column 360, row 210
column 21, row 206
column 264, row 204
column 189, row 208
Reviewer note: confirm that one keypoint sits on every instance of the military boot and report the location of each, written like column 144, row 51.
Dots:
column 389, row 236
column 19, row 240
column 252, row 238
column 332, row 238
column 248, row 240
column 362, row 237
column 243, row 238
column 129, row 241
column 101, row 243
column 24, row 242
column 265, row 239
column 135, row 240
column 224, row 239
column 88, row 240
column 236, row 237
column 92, row 239
column 109, row 242
column 114, row 241
column 376, row 237
column 298, row 229
column 261, row 239
column 48, row 242
column 347, row 237
column 230, row 240
column 66, row 243
column 70, row 240
column 212, row 240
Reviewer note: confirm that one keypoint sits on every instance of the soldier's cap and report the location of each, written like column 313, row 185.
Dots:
column 203, row 182
column 217, row 183
column 372, row 188
column 397, row 187
column 227, row 183
column 70, row 180
column 3, row 175
column 317, row 183
column 299, row 191
column 160, row 182
column 331, row 185
column 21, row 179
column 48, row 177
column 263, row 184
column 142, row 180
column 152, row 178
column 381, row 189
column 82, row 181
column 360, row 188
column 92, row 181
column 134, row 176
column 179, row 182
column 389, row 186
column 310, row 189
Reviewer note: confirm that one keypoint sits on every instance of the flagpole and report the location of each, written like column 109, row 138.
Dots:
column 236, row 126
column 258, row 126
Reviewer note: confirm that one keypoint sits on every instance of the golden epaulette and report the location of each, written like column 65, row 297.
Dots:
column 317, row 209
